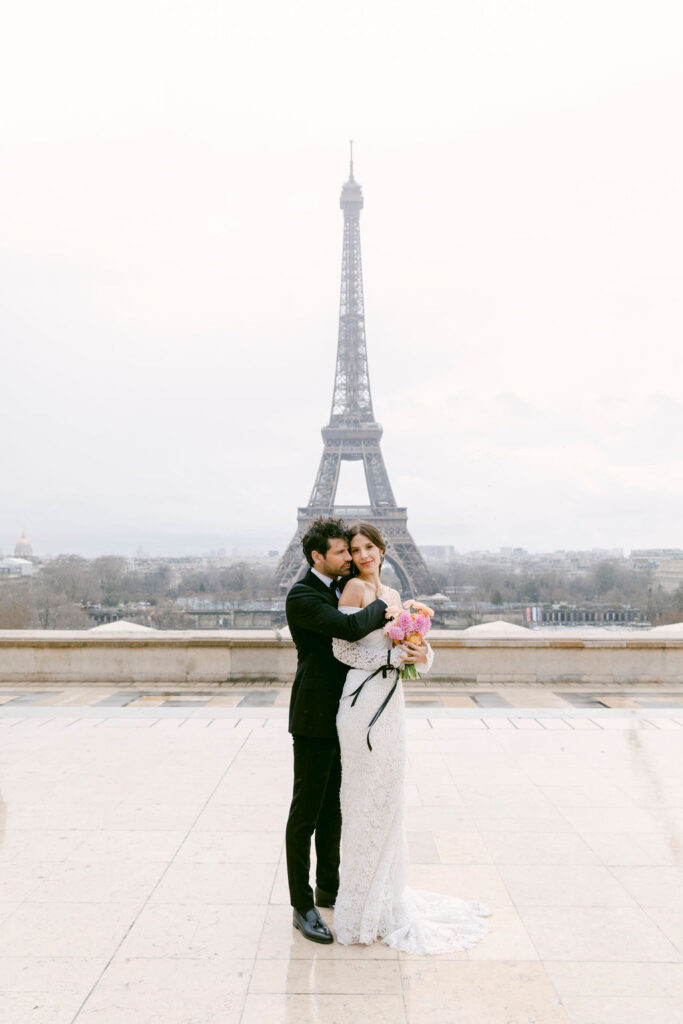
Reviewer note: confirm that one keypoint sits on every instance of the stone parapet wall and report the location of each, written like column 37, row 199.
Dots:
column 221, row 656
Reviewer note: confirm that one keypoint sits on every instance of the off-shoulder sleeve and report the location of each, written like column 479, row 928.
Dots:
column 422, row 668
column 357, row 656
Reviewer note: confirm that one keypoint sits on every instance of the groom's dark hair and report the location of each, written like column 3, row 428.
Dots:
column 320, row 533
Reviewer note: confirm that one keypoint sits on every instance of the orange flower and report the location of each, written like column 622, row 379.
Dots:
column 419, row 607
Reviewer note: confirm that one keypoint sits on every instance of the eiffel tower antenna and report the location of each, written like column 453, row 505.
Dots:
column 353, row 434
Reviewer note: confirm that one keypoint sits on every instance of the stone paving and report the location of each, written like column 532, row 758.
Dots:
column 143, row 880
column 420, row 694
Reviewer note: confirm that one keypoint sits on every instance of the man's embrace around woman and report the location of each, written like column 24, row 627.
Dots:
column 336, row 624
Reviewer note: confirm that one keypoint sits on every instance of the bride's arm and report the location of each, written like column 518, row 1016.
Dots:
column 424, row 666
column 357, row 656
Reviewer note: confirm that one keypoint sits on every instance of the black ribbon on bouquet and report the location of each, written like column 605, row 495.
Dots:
column 383, row 669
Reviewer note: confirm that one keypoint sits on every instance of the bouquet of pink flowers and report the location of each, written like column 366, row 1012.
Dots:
column 411, row 625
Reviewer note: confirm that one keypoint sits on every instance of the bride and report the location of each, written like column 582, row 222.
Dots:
column 373, row 899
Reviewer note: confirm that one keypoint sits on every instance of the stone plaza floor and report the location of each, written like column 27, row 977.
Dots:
column 142, row 874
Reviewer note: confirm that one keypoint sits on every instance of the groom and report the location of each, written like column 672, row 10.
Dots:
column 314, row 619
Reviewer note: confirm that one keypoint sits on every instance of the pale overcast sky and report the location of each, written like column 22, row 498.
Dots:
column 170, row 246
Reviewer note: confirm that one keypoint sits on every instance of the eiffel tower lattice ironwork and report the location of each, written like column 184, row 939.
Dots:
column 353, row 433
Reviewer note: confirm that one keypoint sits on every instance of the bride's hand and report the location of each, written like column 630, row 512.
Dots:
column 416, row 654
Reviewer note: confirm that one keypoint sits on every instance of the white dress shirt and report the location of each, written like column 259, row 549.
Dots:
column 327, row 581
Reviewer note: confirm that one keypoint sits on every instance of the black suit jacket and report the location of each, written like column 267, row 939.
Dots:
column 313, row 619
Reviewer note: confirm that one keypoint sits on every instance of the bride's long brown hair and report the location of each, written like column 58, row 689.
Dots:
column 373, row 535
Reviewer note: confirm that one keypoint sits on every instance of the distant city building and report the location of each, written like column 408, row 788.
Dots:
column 16, row 567
column 23, row 549
column 653, row 558
column 437, row 552
column 669, row 574
column 589, row 614
column 210, row 613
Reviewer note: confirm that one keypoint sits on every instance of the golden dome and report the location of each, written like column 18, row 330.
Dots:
column 23, row 549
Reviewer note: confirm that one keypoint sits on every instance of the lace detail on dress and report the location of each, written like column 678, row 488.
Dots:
column 373, row 900
column 353, row 654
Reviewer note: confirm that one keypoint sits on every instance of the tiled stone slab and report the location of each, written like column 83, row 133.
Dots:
column 189, row 930
column 170, row 817
column 660, row 886
column 280, row 890
column 422, row 848
column 670, row 921
column 497, row 814
column 661, row 791
column 615, row 819
column 488, row 798
column 6, row 909
column 66, row 929
column 459, row 724
column 161, row 991
column 116, row 845
column 625, row 1010
column 248, row 847
column 126, row 881
column 20, row 878
column 552, row 885
column 507, row 939
column 631, row 980
column 479, row 993
column 40, row 1007
column 482, row 882
column 57, row 975
column 534, row 848
column 326, row 977
column 614, row 848
column 525, row 723
column 330, row 1009
column 242, row 818
column 420, row 819
column 590, row 794
column 663, row 849
column 215, row 883
column 523, row 822
column 597, row 933
column 44, row 845
column 461, row 848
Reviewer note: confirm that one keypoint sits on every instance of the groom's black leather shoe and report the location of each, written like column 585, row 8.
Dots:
column 324, row 899
column 312, row 926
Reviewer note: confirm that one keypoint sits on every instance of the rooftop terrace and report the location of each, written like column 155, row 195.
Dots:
column 143, row 876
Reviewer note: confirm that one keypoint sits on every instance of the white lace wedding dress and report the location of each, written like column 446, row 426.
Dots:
column 373, row 900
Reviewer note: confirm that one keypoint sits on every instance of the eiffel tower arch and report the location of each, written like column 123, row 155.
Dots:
column 353, row 433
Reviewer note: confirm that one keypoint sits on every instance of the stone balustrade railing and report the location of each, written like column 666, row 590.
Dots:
column 121, row 653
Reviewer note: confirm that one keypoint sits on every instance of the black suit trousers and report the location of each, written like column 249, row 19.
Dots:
column 315, row 809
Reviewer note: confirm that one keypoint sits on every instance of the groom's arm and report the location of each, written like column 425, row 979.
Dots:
column 309, row 610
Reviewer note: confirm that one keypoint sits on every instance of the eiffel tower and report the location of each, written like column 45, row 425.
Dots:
column 353, row 433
